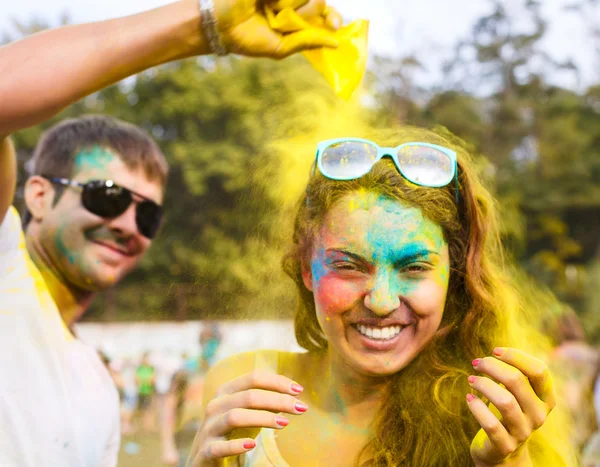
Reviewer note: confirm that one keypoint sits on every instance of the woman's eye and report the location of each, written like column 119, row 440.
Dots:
column 417, row 267
column 345, row 266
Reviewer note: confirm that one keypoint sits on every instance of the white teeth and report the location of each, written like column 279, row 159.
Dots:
column 387, row 332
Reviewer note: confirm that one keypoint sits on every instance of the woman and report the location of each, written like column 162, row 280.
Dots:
column 409, row 325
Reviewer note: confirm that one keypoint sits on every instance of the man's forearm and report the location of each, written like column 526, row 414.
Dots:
column 44, row 73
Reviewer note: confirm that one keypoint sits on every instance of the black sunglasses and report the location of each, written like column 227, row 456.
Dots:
column 107, row 199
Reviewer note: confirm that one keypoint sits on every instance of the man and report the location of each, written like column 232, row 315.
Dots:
column 94, row 203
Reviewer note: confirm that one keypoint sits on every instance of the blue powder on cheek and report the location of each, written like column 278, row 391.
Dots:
column 317, row 267
column 62, row 248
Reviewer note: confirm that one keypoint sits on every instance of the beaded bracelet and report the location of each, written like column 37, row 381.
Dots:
column 209, row 27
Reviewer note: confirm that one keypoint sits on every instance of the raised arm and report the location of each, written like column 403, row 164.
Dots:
column 46, row 72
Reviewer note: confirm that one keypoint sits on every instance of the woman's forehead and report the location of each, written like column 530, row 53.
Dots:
column 369, row 220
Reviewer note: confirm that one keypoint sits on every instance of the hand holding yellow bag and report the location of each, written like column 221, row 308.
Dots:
column 343, row 67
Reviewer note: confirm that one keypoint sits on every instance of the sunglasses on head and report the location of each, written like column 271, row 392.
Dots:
column 423, row 164
column 106, row 199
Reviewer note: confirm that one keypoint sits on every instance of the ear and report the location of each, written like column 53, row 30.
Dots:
column 39, row 196
column 307, row 274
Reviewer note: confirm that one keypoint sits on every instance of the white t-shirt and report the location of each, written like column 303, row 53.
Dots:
column 58, row 404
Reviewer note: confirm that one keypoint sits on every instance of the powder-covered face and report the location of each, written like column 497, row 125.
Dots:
column 379, row 273
column 89, row 251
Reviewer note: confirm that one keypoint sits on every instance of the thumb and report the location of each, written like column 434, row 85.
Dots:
column 307, row 39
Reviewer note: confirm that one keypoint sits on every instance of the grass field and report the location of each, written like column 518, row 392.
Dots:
column 140, row 450
column 143, row 450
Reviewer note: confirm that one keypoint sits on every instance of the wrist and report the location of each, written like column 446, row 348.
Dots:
column 191, row 38
column 209, row 27
column 177, row 31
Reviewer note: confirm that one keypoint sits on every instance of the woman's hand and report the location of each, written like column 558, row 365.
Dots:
column 523, row 403
column 253, row 400
column 245, row 30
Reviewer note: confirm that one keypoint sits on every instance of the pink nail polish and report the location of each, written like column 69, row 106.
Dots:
column 472, row 379
column 249, row 445
column 470, row 397
column 297, row 388
column 476, row 362
column 300, row 407
column 282, row 421
column 498, row 351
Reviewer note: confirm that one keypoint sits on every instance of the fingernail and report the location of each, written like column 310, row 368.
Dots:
column 470, row 397
column 498, row 351
column 282, row 421
column 336, row 23
column 300, row 407
column 472, row 379
column 476, row 361
column 249, row 445
column 297, row 388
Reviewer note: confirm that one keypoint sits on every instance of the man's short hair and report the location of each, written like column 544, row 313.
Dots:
column 57, row 148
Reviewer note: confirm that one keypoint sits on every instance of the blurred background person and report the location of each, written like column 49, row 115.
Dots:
column 129, row 400
column 577, row 362
column 210, row 340
column 166, row 365
column 191, row 364
column 174, row 444
column 145, row 379
column 184, row 401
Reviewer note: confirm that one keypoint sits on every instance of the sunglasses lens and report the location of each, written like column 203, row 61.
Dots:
column 148, row 216
column 348, row 159
column 105, row 201
column 425, row 166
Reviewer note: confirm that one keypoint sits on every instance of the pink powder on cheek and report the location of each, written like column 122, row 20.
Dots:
column 335, row 296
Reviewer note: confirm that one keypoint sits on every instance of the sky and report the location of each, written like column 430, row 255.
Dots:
column 397, row 27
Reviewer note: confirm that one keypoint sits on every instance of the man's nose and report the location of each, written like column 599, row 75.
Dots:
column 125, row 224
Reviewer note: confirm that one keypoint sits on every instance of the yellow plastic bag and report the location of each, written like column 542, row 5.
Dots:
column 344, row 67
